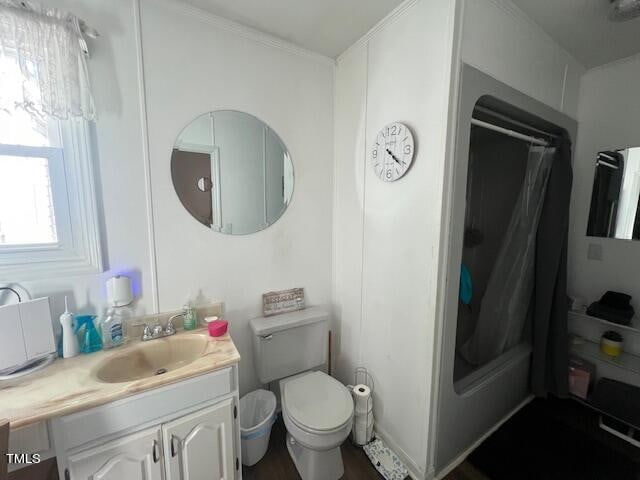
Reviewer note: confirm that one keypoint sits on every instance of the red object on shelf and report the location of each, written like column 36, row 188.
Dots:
column 217, row 328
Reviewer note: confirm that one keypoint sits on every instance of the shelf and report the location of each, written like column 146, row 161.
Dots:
column 628, row 328
column 593, row 407
column 591, row 350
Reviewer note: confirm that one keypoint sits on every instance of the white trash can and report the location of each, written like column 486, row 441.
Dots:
column 257, row 416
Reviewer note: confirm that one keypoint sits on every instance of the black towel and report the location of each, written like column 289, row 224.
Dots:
column 614, row 307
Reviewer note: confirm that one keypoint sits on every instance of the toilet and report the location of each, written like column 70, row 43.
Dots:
column 317, row 409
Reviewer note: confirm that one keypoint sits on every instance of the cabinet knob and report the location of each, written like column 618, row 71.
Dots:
column 67, row 475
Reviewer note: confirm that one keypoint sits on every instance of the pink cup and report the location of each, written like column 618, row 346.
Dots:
column 217, row 328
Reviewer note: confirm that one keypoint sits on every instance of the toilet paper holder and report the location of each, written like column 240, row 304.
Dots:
column 362, row 393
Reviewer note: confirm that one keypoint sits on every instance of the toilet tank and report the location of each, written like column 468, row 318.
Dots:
column 290, row 343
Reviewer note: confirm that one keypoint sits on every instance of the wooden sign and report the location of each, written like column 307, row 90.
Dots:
column 283, row 301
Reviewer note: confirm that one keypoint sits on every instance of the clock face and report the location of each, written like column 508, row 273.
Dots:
column 392, row 153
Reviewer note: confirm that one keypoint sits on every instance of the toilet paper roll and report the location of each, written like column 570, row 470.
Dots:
column 119, row 291
column 362, row 421
column 361, row 398
column 363, row 429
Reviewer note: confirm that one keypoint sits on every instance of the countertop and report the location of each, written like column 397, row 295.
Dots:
column 69, row 385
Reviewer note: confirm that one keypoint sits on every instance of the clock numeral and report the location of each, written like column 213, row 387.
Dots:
column 388, row 174
column 375, row 153
column 407, row 149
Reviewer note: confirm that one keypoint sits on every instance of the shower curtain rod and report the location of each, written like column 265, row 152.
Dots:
column 511, row 133
column 513, row 121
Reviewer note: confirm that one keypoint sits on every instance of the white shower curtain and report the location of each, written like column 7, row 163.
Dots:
column 507, row 300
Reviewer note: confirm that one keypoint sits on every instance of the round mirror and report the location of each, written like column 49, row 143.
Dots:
column 232, row 172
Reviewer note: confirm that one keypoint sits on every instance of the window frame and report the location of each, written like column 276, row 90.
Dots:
column 78, row 249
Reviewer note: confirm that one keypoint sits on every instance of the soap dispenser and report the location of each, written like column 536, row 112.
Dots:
column 189, row 316
column 70, row 347
column 119, row 297
column 113, row 328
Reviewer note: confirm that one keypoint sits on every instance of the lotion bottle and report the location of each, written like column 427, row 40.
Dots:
column 70, row 346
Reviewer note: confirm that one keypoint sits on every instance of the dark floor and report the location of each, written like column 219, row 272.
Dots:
column 547, row 440
column 277, row 464
column 555, row 439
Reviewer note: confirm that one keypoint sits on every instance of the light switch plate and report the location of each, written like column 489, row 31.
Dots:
column 594, row 252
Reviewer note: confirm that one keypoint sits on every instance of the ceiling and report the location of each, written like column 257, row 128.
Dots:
column 583, row 29
column 328, row 27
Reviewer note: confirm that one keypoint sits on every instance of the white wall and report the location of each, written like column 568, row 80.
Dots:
column 499, row 39
column 609, row 119
column 240, row 140
column 194, row 63
column 386, row 237
column 118, row 162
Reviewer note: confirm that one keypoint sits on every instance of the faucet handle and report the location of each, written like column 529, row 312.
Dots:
column 146, row 333
column 170, row 328
column 157, row 330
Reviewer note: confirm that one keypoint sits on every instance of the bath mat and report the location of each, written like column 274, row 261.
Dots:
column 385, row 461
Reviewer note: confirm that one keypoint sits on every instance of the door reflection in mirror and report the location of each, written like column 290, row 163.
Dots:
column 232, row 172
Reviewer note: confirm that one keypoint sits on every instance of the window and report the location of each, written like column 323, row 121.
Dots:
column 48, row 221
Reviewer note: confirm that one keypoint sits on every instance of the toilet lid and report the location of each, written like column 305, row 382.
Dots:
column 318, row 401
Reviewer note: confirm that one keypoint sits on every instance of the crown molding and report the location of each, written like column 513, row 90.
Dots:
column 614, row 63
column 389, row 19
column 239, row 29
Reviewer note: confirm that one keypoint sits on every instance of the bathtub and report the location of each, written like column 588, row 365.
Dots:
column 472, row 407
column 485, row 374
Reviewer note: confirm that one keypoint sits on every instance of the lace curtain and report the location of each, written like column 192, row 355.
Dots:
column 48, row 48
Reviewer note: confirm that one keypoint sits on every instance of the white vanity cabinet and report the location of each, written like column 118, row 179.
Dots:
column 133, row 457
column 200, row 445
column 188, row 430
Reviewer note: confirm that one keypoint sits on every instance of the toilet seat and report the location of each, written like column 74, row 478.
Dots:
column 317, row 403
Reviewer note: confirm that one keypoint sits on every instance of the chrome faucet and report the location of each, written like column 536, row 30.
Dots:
column 170, row 329
column 157, row 331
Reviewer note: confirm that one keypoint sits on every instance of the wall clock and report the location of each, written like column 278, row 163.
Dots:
column 392, row 154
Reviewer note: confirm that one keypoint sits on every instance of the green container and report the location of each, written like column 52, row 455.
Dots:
column 190, row 318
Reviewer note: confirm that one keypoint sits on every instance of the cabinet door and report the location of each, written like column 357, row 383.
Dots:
column 135, row 457
column 200, row 446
